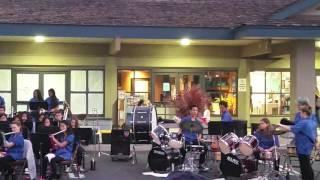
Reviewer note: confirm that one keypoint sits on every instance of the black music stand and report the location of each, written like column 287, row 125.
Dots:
column 38, row 105
column 214, row 128
column 240, row 127
column 41, row 145
column 84, row 135
column 227, row 127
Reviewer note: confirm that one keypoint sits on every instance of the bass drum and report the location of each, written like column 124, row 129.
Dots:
column 161, row 160
column 158, row 160
column 143, row 121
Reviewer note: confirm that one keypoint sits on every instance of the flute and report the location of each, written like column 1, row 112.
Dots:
column 58, row 133
column 5, row 134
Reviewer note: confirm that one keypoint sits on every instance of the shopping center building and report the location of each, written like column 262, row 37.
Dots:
column 259, row 56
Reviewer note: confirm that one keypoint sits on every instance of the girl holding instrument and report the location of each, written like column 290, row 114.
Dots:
column 64, row 147
column 14, row 149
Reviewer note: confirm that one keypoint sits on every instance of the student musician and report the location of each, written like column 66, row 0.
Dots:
column 64, row 147
column 58, row 117
column 24, row 129
column 37, row 97
column 15, row 147
column 46, row 127
column 267, row 140
column 80, row 152
column 193, row 138
column 225, row 114
column 52, row 100
column 305, row 138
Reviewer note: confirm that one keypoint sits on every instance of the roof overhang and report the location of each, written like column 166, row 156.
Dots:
column 295, row 9
column 167, row 33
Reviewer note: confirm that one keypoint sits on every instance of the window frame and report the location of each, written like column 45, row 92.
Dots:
column 265, row 93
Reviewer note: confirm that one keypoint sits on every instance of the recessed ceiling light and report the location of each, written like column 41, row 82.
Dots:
column 39, row 39
column 185, row 42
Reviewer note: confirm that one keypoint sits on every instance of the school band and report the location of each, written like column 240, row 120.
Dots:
column 44, row 122
column 51, row 121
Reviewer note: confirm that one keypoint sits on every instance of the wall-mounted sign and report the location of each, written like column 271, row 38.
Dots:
column 166, row 87
column 242, row 84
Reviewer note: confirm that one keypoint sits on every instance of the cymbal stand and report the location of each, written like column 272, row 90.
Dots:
column 97, row 127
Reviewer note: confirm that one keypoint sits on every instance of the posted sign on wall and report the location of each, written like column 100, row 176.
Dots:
column 242, row 85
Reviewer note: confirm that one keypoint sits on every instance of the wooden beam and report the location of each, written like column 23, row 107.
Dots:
column 115, row 46
column 256, row 49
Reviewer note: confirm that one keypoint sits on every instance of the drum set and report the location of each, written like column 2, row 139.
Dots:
column 165, row 153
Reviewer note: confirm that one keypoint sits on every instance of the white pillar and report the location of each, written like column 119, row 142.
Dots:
column 302, row 71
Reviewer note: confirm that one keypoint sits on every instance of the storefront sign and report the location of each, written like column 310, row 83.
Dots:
column 242, row 85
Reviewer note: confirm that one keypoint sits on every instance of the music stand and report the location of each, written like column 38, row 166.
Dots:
column 38, row 105
column 214, row 128
column 83, row 135
column 40, row 144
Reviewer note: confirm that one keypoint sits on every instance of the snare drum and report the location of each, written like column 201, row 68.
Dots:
column 195, row 148
column 266, row 155
column 248, row 144
column 228, row 142
column 291, row 150
column 159, row 134
column 174, row 141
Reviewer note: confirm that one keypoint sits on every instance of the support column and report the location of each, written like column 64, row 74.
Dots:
column 111, row 88
column 303, row 73
column 244, row 96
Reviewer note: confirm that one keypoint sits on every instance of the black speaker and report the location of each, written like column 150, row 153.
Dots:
column 120, row 142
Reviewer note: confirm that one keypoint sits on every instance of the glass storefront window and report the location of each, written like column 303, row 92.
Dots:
column 270, row 93
column 135, row 82
column 165, row 88
column 222, row 85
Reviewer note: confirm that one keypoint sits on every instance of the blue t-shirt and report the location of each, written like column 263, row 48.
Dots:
column 266, row 141
column 188, row 135
column 52, row 103
column 66, row 152
column 16, row 151
column 305, row 135
column 226, row 116
column 2, row 102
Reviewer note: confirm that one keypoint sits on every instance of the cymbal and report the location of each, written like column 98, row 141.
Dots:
column 193, row 126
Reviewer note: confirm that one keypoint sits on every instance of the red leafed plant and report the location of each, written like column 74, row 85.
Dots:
column 194, row 96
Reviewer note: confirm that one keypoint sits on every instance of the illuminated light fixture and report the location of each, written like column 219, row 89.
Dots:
column 39, row 39
column 318, row 44
column 185, row 42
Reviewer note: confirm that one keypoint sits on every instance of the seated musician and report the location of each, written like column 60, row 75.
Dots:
column 46, row 127
column 64, row 147
column 58, row 117
column 267, row 141
column 25, row 131
column 305, row 139
column 80, row 152
column 4, row 124
column 15, row 147
column 193, row 138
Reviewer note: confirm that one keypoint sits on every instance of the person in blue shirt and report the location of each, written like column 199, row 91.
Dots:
column 305, row 139
column 303, row 102
column 37, row 97
column 2, row 102
column 193, row 138
column 52, row 100
column 267, row 141
column 14, row 146
column 64, row 149
column 225, row 114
